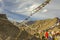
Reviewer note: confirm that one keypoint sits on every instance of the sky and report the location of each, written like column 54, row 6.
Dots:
column 18, row 10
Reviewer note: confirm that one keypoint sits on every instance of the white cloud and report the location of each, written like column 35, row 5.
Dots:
column 33, row 7
column 23, row 6
column 45, row 10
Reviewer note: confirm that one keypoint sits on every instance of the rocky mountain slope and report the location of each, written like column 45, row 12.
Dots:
column 46, row 24
column 9, row 31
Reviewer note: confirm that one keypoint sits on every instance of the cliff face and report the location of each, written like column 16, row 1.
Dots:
column 7, row 29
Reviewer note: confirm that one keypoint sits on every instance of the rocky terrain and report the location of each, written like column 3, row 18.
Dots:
column 9, row 31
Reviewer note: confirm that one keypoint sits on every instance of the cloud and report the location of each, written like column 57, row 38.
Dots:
column 18, row 9
column 14, row 15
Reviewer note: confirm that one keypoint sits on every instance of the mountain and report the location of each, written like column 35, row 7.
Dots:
column 7, row 29
column 47, row 24
column 44, row 24
column 17, row 31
